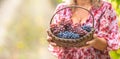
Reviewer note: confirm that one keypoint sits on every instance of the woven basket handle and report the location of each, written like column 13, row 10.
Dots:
column 73, row 7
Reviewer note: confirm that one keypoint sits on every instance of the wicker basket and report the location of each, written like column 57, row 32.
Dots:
column 72, row 42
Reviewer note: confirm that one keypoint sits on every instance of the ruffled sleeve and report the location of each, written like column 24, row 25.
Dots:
column 109, row 28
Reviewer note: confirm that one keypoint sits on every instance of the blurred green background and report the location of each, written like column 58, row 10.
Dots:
column 23, row 25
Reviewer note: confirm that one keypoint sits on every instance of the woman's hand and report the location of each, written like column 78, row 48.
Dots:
column 50, row 39
column 98, row 43
column 51, row 42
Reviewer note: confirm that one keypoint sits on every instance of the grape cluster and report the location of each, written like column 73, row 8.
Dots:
column 65, row 29
column 62, row 25
column 56, row 29
column 77, row 29
column 65, row 23
column 68, row 35
column 87, row 28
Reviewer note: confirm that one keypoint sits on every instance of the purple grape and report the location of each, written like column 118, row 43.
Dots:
column 87, row 28
column 65, row 29
column 77, row 29
column 68, row 35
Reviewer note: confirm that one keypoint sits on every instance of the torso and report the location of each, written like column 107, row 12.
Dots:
column 80, row 15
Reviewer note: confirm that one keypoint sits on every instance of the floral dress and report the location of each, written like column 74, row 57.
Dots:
column 108, row 29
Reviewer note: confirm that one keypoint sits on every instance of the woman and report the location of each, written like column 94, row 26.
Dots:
column 106, row 33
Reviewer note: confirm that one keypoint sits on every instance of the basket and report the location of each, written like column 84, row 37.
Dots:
column 72, row 42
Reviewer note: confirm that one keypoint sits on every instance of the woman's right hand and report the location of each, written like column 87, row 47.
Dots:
column 50, row 39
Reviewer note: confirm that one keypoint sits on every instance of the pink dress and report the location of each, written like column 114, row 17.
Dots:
column 108, row 30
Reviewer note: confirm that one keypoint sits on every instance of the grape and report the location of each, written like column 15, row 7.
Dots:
column 65, row 29
column 87, row 28
column 77, row 29
column 53, row 27
column 66, row 24
column 68, row 35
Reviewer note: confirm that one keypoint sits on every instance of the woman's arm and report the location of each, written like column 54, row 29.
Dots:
column 108, row 36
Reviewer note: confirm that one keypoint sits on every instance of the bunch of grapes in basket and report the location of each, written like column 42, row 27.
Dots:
column 65, row 29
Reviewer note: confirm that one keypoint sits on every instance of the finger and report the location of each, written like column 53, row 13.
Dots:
column 53, row 44
column 49, row 39
column 49, row 33
column 95, row 36
column 90, row 42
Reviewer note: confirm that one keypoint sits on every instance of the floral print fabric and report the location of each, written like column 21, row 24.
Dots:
column 108, row 29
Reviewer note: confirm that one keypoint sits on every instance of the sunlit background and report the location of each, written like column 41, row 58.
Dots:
column 23, row 25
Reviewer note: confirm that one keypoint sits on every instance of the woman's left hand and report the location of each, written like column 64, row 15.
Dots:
column 97, row 43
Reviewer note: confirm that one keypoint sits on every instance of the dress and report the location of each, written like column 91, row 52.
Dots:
column 108, row 30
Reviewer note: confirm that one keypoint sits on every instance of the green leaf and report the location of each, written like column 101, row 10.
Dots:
column 114, row 55
column 118, row 51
